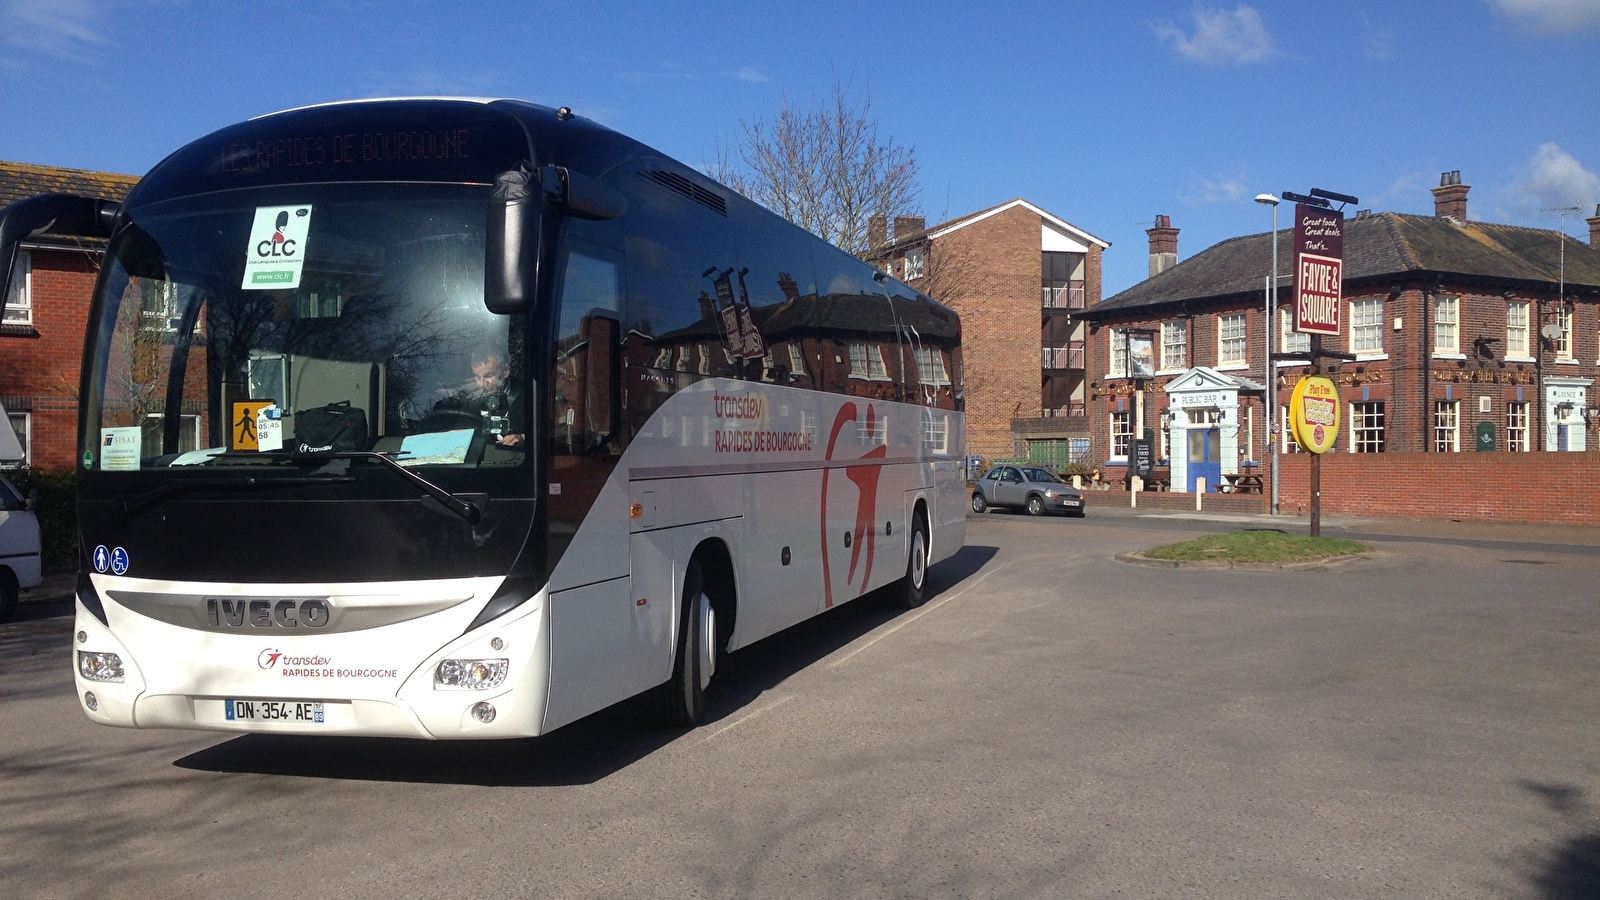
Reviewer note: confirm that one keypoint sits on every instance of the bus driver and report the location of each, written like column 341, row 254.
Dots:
column 497, row 396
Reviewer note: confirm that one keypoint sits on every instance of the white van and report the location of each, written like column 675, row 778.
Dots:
column 20, row 561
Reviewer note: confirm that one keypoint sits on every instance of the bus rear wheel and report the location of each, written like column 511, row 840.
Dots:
column 910, row 591
column 682, row 700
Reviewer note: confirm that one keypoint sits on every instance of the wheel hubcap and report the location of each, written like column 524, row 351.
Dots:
column 708, row 640
column 919, row 559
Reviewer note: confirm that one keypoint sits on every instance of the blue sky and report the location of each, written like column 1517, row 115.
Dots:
column 1105, row 114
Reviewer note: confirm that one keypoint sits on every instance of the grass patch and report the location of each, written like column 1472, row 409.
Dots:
column 1256, row 547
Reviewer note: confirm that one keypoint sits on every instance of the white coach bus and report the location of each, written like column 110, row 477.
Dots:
column 466, row 419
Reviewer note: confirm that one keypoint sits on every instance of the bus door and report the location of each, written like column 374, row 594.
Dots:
column 591, row 613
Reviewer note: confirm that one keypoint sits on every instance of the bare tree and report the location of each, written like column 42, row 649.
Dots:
column 825, row 168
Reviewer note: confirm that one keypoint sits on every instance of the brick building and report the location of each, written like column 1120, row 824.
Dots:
column 1020, row 278
column 1463, row 336
column 46, row 308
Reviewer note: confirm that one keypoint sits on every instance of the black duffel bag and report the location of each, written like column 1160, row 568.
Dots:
column 337, row 426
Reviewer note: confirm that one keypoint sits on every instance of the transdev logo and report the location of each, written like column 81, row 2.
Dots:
column 268, row 658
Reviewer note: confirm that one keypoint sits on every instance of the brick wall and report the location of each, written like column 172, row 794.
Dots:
column 42, row 366
column 1546, row 488
column 999, row 307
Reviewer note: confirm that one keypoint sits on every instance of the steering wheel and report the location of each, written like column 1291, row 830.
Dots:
column 449, row 420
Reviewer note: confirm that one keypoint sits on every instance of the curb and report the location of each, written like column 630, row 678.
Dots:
column 1306, row 565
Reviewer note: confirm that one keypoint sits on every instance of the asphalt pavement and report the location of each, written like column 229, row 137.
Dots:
column 1053, row 723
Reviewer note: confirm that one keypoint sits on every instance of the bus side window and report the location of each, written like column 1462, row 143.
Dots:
column 584, row 407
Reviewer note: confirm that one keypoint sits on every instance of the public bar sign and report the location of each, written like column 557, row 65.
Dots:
column 1318, row 268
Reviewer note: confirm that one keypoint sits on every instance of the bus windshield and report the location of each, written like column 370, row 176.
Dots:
column 242, row 327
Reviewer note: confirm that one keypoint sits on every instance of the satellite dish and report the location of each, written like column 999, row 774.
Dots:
column 1551, row 332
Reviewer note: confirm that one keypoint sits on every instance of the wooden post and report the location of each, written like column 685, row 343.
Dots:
column 1316, row 458
column 1316, row 495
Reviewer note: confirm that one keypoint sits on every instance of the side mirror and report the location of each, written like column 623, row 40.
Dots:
column 582, row 196
column 513, row 242
column 58, row 213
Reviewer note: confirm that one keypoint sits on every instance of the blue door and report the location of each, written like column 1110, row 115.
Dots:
column 1204, row 459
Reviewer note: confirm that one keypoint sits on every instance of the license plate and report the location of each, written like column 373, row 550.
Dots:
column 272, row 711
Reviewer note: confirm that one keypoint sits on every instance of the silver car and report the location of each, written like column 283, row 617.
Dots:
column 1026, row 487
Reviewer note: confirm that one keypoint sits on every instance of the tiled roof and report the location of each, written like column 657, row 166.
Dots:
column 1380, row 246
column 19, row 181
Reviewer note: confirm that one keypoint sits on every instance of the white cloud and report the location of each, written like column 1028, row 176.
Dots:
column 1221, row 37
column 752, row 75
column 1550, row 16
column 63, row 28
column 1223, row 189
column 1378, row 41
column 1554, row 179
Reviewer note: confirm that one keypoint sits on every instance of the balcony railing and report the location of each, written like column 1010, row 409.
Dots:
column 1068, row 296
column 1074, row 408
column 1068, row 357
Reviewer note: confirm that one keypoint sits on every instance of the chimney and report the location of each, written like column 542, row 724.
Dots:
column 1450, row 197
column 1163, row 245
column 1594, row 228
column 877, row 231
column 708, row 306
column 787, row 284
column 906, row 226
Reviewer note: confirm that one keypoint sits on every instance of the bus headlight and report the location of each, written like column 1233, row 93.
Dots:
column 470, row 674
column 100, row 666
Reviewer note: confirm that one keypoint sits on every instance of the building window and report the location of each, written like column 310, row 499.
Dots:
column 866, row 361
column 1366, row 326
column 1366, row 427
column 930, row 366
column 1175, row 345
column 877, row 434
column 1564, row 341
column 1289, row 340
column 1231, row 340
column 1517, row 328
column 1446, row 426
column 1119, row 355
column 19, row 299
column 1286, row 441
column 1121, row 434
column 22, row 424
column 1445, row 329
column 797, row 363
column 1517, row 425
column 936, row 433
column 916, row 263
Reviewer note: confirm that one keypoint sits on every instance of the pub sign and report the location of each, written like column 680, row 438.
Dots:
column 1318, row 268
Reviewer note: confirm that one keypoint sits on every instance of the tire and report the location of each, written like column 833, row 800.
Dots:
column 1035, row 505
column 910, row 591
column 979, row 505
column 8, row 595
column 682, row 700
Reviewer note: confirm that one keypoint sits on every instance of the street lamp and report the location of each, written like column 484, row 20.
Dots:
column 1272, row 374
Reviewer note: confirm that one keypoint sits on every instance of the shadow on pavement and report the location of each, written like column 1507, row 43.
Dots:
column 1571, row 869
column 587, row 750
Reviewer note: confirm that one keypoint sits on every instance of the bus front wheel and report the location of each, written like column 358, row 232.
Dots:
column 681, row 701
column 910, row 591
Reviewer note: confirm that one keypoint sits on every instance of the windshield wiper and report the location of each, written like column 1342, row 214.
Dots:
column 133, row 504
column 466, row 509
